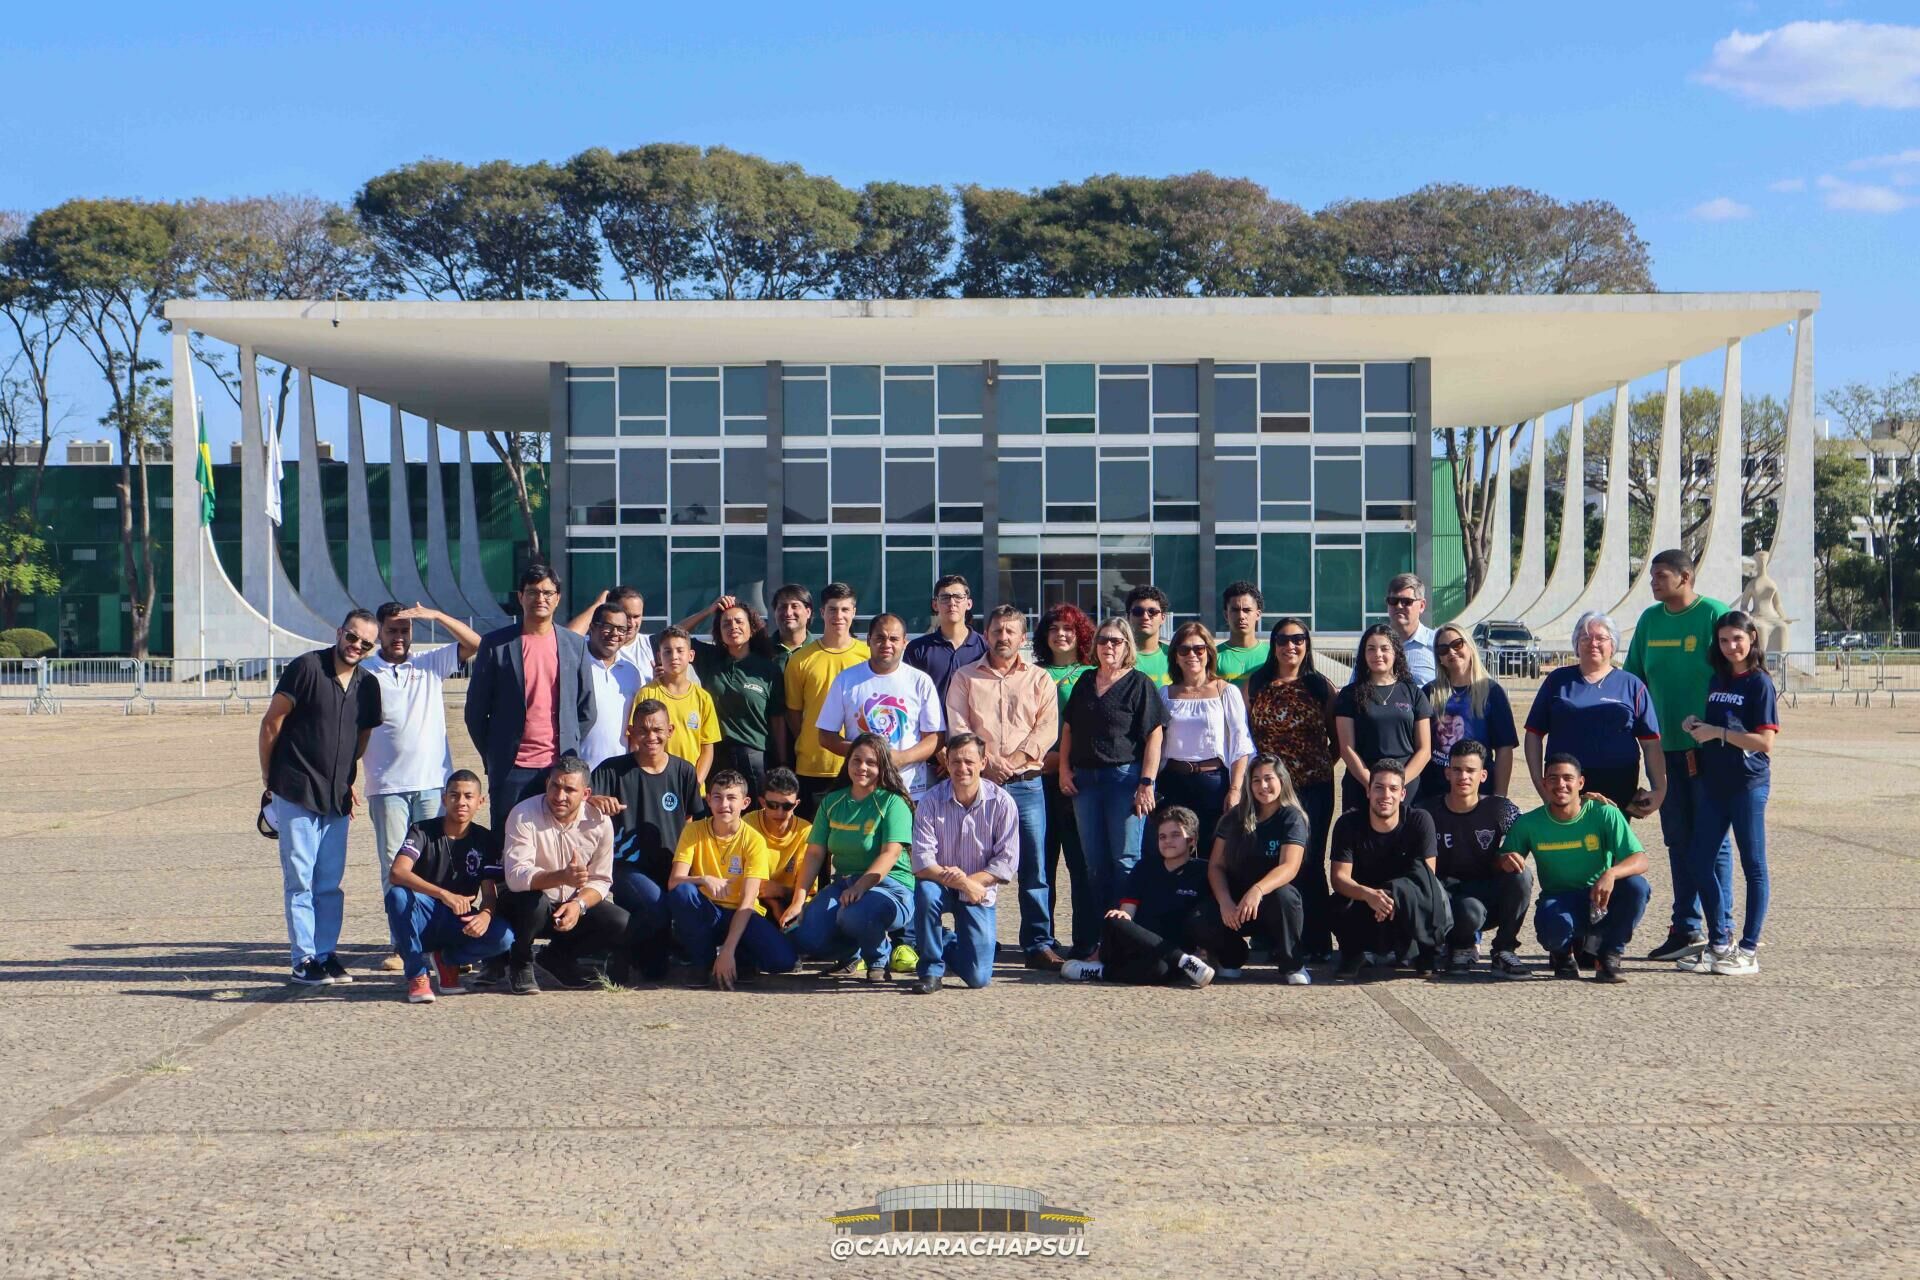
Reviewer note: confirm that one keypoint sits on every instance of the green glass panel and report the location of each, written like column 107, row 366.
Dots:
column 803, row 407
column 963, row 557
column 746, row 390
column 1176, row 568
column 962, row 387
column 909, row 408
column 1387, row 554
column 1285, row 577
column 588, row 573
column 1070, row 388
column 747, row 564
column 695, row 581
column 808, row 568
column 590, row 408
column 910, row 588
column 1338, row 600
column 643, row 392
column 1070, row 426
column 856, row 390
column 1237, row 564
column 1017, row 402
column 695, row 409
column 643, row 566
column 856, row 562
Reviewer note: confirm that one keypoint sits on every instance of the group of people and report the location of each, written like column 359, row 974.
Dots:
column 741, row 801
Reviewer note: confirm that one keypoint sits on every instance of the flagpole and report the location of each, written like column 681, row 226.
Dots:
column 272, row 456
column 200, row 546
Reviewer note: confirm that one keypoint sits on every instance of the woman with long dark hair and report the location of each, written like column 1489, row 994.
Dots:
column 1064, row 650
column 1382, row 714
column 1203, row 763
column 1291, row 711
column 1257, row 852
column 740, row 670
column 866, row 829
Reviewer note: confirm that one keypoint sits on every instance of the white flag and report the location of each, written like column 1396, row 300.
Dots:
column 274, row 468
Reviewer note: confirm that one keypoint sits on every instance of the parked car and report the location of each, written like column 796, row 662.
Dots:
column 1850, row 640
column 1508, row 648
column 1823, row 639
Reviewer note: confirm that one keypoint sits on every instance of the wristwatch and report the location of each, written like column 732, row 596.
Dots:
column 1147, row 782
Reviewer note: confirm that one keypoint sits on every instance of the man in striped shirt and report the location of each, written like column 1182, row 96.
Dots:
column 966, row 844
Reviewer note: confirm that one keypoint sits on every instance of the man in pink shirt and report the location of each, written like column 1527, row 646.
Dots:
column 557, row 855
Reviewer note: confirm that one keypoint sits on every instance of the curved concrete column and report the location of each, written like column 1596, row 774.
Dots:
column 1668, row 484
column 1498, row 579
column 364, row 580
column 1718, row 571
column 259, row 540
column 473, row 579
column 1570, row 565
column 403, row 563
column 1792, row 566
column 320, row 582
column 1530, row 578
column 1610, row 570
column 441, row 582
column 232, row 627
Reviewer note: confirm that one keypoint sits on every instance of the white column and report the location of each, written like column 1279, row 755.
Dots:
column 441, row 582
column 188, row 536
column 1570, row 565
column 1668, row 485
column 473, row 579
column 364, row 580
column 319, row 581
column 255, row 528
column 1610, row 571
column 1718, row 570
column 403, row 565
column 1498, row 579
column 1792, row 566
column 1531, row 575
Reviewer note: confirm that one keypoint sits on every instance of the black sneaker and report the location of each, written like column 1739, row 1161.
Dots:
column 1608, row 970
column 567, row 974
column 1680, row 945
column 926, row 984
column 1587, row 960
column 1349, row 967
column 1505, row 964
column 490, row 972
column 1563, row 965
column 336, row 972
column 311, row 973
column 523, row 981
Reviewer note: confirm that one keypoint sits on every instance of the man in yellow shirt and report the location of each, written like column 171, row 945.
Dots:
column 780, row 825
column 696, row 726
column 718, row 869
column 810, row 675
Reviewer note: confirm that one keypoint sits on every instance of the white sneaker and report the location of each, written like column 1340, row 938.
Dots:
column 1082, row 970
column 1704, row 962
column 1300, row 978
column 1737, row 963
column 1229, row 974
column 1197, row 971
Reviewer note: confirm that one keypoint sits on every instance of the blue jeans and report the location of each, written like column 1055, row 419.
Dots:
column 313, row 857
column 645, row 902
column 1678, row 813
column 392, row 814
column 420, row 924
column 969, row 944
column 1036, row 894
column 1109, row 831
column 829, row 931
column 1745, row 814
column 1561, row 920
column 701, row 924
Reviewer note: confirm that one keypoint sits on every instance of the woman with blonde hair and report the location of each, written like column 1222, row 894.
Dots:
column 1468, row 704
column 1203, row 764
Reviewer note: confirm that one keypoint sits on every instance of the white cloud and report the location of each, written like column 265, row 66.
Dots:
column 1898, row 160
column 1862, row 197
column 1719, row 209
column 1818, row 64
column 1786, row 185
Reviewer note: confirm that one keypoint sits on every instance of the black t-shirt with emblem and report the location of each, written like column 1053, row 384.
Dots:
column 458, row 865
column 1466, row 844
column 1165, row 898
column 659, row 807
column 1248, row 855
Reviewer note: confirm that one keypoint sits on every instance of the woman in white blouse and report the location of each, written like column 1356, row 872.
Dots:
column 1203, row 762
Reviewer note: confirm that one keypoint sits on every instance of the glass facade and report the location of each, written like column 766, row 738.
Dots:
column 881, row 481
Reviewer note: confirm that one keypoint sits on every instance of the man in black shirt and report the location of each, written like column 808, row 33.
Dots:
column 442, row 891
column 1382, row 860
column 313, row 734
column 651, row 797
column 1482, row 883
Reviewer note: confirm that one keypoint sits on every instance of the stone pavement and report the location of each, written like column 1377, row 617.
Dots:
column 173, row 1109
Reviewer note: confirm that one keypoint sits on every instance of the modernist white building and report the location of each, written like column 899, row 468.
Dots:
column 1050, row 450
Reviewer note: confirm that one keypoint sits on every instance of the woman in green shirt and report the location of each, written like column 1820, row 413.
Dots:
column 1066, row 637
column 866, row 830
column 741, row 672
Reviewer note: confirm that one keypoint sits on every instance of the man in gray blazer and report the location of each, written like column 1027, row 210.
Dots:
column 531, row 697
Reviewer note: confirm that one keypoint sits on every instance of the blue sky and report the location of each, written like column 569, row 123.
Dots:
column 1757, row 145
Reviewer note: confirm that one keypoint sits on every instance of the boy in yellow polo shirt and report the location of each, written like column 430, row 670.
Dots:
column 696, row 726
column 718, row 868
column 779, row 823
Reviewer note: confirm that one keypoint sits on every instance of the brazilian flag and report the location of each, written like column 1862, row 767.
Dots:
column 203, row 466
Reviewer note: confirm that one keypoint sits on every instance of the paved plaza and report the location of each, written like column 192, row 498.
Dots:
column 173, row 1109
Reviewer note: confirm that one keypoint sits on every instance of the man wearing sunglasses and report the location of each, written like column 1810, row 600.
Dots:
column 1406, row 601
column 780, row 825
column 314, row 732
column 1146, row 614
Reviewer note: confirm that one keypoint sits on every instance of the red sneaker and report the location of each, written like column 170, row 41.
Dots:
column 419, row 989
column 449, row 975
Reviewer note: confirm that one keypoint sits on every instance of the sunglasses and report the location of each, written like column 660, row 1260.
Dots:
column 1139, row 611
column 1111, row 640
column 780, row 806
column 1292, row 639
column 1403, row 602
column 1192, row 650
column 1452, row 646
column 356, row 644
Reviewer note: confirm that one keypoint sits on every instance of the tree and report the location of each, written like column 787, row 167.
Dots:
column 1471, row 454
column 26, row 564
column 1840, row 497
column 521, row 452
column 645, row 204
column 40, row 317
column 1885, row 421
column 905, row 237
column 770, row 230
column 119, row 262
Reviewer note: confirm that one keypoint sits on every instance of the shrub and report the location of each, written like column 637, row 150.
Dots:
column 8, row 649
column 27, row 642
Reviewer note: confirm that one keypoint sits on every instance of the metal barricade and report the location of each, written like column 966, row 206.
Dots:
column 1899, row 672
column 25, row 680
column 95, row 680
column 1826, row 673
column 201, row 681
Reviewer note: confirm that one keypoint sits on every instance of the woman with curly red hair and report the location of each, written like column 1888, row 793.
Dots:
column 1064, row 647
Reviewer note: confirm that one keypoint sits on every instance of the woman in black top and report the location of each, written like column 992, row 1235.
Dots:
column 1110, row 748
column 1258, row 851
column 1381, row 715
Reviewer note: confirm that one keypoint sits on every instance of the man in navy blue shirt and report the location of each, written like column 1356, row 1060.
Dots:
column 953, row 643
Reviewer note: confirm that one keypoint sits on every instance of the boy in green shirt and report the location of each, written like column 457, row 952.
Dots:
column 1591, row 870
column 1670, row 653
column 1245, row 648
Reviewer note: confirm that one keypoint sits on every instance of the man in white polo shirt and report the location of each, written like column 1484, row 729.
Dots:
column 408, row 759
column 615, row 680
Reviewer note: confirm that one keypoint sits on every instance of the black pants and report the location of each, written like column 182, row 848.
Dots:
column 1315, row 898
column 1616, row 782
column 813, row 790
column 1133, row 953
column 1500, row 900
column 1204, row 792
column 1420, row 918
column 508, row 790
column 603, row 929
column 1281, row 922
column 1063, row 842
column 742, row 758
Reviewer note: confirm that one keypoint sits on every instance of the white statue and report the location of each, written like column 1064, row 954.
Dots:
column 1761, row 602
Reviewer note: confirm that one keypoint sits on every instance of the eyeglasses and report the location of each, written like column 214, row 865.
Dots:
column 1403, row 602
column 541, row 593
column 780, row 806
column 356, row 644
column 1292, row 639
column 1452, row 646
column 1111, row 640
column 1145, row 611
column 950, row 598
column 1192, row 650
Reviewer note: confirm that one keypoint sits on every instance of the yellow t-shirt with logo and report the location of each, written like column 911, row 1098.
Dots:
column 810, row 673
column 692, row 715
column 783, row 851
column 736, row 858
